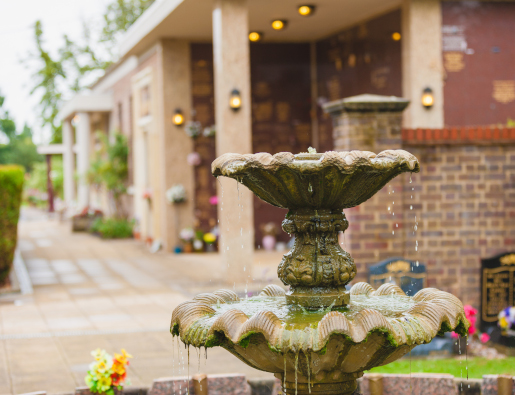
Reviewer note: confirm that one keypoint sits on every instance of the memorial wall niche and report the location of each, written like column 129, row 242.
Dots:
column 362, row 59
column 497, row 287
column 202, row 89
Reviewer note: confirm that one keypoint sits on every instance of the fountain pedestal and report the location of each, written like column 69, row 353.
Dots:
column 317, row 268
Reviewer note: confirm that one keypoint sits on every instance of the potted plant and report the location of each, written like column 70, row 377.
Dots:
column 82, row 221
column 186, row 235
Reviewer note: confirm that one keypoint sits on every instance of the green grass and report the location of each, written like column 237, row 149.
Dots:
column 477, row 367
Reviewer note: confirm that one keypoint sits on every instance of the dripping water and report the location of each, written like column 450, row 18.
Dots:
column 461, row 367
column 188, row 382
column 410, row 387
column 309, row 373
column 296, row 369
column 284, row 376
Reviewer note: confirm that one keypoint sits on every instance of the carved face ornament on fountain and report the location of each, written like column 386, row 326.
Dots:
column 317, row 337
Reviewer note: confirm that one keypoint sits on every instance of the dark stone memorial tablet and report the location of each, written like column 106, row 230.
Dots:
column 497, row 288
column 409, row 275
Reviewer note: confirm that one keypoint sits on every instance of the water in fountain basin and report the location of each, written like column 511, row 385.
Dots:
column 295, row 317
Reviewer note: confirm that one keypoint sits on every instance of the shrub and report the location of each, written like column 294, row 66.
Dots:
column 112, row 228
column 11, row 185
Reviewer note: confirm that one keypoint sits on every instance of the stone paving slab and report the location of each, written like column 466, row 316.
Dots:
column 90, row 293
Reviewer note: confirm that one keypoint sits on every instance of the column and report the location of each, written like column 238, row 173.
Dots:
column 233, row 134
column 422, row 65
column 377, row 228
column 83, row 150
column 68, row 164
column 174, row 84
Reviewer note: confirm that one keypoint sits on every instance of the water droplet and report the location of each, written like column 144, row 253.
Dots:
column 415, row 227
column 227, row 248
column 393, row 232
column 388, row 208
column 411, row 207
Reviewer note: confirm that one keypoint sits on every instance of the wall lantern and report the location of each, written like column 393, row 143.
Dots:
column 396, row 36
column 235, row 100
column 279, row 24
column 178, row 118
column 427, row 98
column 306, row 10
column 255, row 36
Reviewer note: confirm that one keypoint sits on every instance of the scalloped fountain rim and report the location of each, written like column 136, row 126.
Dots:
column 346, row 161
column 436, row 312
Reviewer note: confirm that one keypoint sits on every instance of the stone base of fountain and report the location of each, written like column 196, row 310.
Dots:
column 340, row 388
column 316, row 298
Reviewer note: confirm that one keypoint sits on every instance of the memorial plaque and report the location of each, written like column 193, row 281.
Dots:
column 410, row 276
column 497, row 287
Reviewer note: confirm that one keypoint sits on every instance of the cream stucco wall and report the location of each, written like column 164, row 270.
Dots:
column 422, row 64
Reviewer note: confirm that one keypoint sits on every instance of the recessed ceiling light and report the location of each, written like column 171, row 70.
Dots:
column 279, row 24
column 306, row 10
column 255, row 36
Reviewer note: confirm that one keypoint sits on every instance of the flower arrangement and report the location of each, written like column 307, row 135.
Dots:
column 209, row 131
column 147, row 194
column 193, row 129
column 106, row 373
column 213, row 200
column 507, row 320
column 187, row 234
column 194, row 159
column 176, row 194
column 209, row 238
column 470, row 315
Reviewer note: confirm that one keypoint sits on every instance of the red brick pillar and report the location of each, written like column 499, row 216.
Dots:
column 377, row 228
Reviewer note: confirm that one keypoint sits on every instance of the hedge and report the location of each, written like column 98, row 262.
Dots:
column 11, row 185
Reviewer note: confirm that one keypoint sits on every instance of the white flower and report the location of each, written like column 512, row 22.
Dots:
column 176, row 194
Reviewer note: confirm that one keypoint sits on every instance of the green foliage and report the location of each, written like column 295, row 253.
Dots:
column 38, row 177
column 20, row 149
column 11, row 185
column 110, row 168
column 120, row 15
column 477, row 367
column 78, row 63
column 112, row 228
column 510, row 123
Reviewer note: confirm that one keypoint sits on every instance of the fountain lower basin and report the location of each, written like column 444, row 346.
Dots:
column 322, row 351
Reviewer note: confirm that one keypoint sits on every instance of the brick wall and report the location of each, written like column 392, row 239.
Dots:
column 462, row 201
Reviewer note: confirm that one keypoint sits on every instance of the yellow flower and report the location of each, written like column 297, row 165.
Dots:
column 119, row 368
column 123, row 357
column 104, row 383
column 503, row 322
column 209, row 238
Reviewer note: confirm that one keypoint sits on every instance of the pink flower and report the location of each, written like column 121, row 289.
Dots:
column 469, row 311
column 213, row 200
column 484, row 337
column 194, row 159
column 454, row 335
column 472, row 329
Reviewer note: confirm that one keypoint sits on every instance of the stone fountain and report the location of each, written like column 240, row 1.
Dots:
column 317, row 337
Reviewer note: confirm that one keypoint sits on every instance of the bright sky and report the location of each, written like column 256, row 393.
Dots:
column 17, row 18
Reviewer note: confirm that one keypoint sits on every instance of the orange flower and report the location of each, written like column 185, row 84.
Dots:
column 118, row 368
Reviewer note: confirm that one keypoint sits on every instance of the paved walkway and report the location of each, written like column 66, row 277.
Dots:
column 90, row 293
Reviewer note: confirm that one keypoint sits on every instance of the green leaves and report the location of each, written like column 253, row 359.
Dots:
column 110, row 167
column 79, row 63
